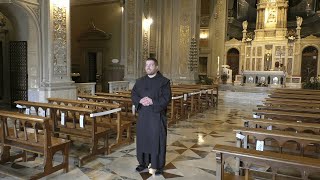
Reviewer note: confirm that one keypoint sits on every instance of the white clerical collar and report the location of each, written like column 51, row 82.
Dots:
column 152, row 76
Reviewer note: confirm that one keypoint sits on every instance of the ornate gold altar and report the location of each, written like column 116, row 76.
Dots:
column 271, row 47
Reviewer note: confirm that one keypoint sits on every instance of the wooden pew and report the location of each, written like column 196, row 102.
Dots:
column 209, row 93
column 126, row 103
column 198, row 96
column 289, row 109
column 120, row 95
column 283, row 125
column 291, row 104
column 297, row 91
column 123, row 92
column 281, row 137
column 316, row 102
column 176, row 108
column 79, row 123
column 305, row 117
column 306, row 166
column 193, row 99
column 31, row 139
column 295, row 96
column 120, row 127
column 173, row 107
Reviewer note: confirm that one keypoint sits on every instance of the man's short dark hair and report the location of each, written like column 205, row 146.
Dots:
column 153, row 59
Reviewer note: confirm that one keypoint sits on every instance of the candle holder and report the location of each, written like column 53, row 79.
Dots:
column 193, row 55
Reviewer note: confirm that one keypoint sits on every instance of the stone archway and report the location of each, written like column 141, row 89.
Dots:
column 233, row 61
column 22, row 26
column 309, row 63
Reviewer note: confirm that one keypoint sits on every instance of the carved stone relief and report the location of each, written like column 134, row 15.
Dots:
column 220, row 19
column 270, row 34
column 253, row 64
column 60, row 40
column 289, row 66
column 131, row 36
column 290, row 51
column 184, row 40
column 258, row 64
column 259, row 51
column 145, row 44
column 248, row 51
column 247, row 64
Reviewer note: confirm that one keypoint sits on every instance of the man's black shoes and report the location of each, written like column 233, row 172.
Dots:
column 141, row 168
column 158, row 172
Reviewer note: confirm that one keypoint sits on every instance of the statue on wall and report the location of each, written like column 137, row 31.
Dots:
column 245, row 25
column 268, row 62
column 299, row 21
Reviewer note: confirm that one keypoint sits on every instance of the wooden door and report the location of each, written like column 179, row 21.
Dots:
column 233, row 62
column 309, row 63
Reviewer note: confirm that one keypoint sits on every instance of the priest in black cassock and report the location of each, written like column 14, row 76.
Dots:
column 151, row 95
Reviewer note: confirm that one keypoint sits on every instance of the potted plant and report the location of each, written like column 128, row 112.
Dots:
column 224, row 78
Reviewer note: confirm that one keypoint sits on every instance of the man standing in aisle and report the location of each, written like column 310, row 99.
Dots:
column 151, row 95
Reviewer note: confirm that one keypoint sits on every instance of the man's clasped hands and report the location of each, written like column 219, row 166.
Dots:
column 146, row 101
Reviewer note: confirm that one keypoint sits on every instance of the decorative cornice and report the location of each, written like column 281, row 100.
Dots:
column 233, row 41
column 91, row 2
column 311, row 37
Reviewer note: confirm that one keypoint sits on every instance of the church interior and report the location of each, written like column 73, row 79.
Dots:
column 240, row 72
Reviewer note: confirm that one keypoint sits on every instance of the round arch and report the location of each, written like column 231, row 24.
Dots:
column 309, row 62
column 25, row 28
column 233, row 57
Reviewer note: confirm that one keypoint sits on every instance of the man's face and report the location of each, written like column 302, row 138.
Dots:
column 150, row 67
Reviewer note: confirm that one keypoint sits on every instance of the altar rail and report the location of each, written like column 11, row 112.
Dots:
column 118, row 86
column 264, row 77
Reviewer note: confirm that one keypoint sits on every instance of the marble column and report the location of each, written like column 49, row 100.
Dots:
column 56, row 69
column 217, row 34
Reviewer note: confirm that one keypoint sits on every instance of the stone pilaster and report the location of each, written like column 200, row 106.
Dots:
column 133, row 40
column 167, row 47
column 184, row 40
column 180, row 37
column 217, row 37
column 56, row 73
column 296, row 71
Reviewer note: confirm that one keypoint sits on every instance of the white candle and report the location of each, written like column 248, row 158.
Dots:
column 218, row 69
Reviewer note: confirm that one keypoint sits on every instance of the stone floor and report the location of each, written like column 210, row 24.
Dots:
column 189, row 146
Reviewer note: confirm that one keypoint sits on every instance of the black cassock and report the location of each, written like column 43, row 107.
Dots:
column 152, row 122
